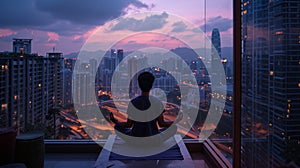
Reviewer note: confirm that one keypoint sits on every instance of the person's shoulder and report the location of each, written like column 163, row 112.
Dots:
column 136, row 99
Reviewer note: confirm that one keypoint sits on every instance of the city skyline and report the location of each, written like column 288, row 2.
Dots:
column 64, row 71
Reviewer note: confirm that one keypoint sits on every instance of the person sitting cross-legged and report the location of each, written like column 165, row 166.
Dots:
column 145, row 112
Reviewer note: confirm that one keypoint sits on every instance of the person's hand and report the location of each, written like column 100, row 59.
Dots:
column 112, row 118
column 179, row 117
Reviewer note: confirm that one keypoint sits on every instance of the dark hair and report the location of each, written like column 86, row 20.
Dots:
column 146, row 80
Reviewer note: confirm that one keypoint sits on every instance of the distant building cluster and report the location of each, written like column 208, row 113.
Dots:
column 34, row 85
column 108, row 66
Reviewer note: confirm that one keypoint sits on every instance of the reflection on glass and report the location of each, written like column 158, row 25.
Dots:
column 270, row 93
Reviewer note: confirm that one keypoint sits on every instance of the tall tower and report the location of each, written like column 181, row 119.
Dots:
column 132, row 70
column 216, row 42
column 57, row 61
column 120, row 55
column 270, row 84
column 22, row 46
column 215, row 55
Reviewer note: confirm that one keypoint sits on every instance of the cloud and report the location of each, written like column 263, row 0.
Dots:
column 223, row 24
column 62, row 16
column 37, row 36
column 149, row 23
column 179, row 27
column 66, row 28
column 6, row 32
column 92, row 12
column 43, row 41
column 52, row 37
column 15, row 13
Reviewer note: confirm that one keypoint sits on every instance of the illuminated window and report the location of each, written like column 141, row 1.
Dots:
column 3, row 106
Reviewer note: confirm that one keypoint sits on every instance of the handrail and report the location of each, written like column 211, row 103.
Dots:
column 215, row 155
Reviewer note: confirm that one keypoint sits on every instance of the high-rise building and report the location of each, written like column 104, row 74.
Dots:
column 107, row 67
column 93, row 67
column 27, row 89
column 85, row 77
column 69, row 63
column 67, row 73
column 216, row 43
column 4, row 94
column 270, row 81
column 120, row 55
column 22, row 46
column 132, row 70
column 82, row 85
column 58, row 64
column 67, row 87
column 215, row 54
column 134, row 65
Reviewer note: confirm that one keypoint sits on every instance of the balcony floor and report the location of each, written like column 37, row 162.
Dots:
column 86, row 160
column 70, row 160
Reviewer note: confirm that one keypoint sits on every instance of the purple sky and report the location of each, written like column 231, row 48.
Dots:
column 66, row 24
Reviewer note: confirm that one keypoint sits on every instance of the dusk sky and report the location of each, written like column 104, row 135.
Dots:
column 66, row 24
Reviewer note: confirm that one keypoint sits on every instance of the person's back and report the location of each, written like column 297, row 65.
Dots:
column 144, row 129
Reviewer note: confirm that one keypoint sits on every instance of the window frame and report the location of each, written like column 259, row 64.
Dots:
column 237, row 84
column 88, row 145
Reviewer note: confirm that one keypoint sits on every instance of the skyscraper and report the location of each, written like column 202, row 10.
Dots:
column 82, row 85
column 216, row 42
column 215, row 55
column 120, row 55
column 67, row 73
column 57, row 61
column 28, row 90
column 270, row 81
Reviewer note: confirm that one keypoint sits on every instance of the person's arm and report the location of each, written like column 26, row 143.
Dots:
column 127, row 124
column 162, row 123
